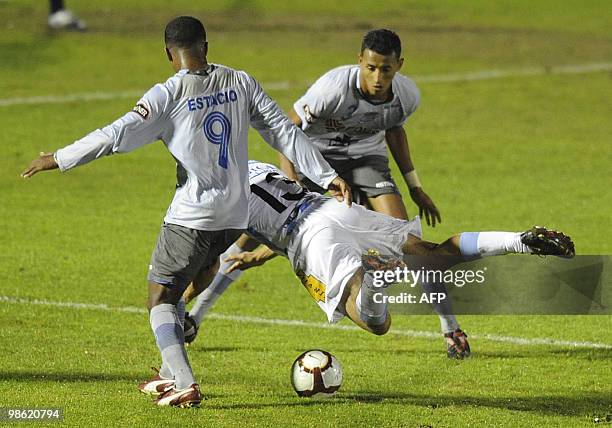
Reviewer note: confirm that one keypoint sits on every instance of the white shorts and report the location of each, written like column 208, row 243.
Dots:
column 326, row 248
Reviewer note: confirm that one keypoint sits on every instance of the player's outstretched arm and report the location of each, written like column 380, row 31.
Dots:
column 398, row 145
column 44, row 162
column 249, row 259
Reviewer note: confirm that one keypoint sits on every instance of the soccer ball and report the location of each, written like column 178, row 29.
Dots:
column 316, row 373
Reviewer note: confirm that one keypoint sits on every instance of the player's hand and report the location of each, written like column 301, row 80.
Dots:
column 426, row 206
column 341, row 191
column 44, row 162
column 244, row 261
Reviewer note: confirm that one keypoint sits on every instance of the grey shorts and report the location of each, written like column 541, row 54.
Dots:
column 181, row 253
column 369, row 176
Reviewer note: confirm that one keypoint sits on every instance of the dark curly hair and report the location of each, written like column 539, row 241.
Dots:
column 184, row 32
column 382, row 41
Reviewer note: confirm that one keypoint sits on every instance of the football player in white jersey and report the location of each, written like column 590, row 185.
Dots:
column 202, row 114
column 352, row 114
column 328, row 246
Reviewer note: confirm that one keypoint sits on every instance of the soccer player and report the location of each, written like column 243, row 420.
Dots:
column 61, row 18
column 352, row 113
column 327, row 245
column 202, row 114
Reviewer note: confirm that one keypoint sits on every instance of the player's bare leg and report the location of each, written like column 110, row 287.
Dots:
column 351, row 306
column 390, row 204
column 201, row 282
column 470, row 245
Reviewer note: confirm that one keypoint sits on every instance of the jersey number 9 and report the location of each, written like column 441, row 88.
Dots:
column 218, row 129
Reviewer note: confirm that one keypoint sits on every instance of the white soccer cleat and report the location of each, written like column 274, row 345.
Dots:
column 156, row 386
column 188, row 397
column 65, row 20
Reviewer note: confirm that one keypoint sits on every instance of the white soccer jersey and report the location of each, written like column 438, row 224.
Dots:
column 342, row 123
column 275, row 204
column 324, row 239
column 203, row 119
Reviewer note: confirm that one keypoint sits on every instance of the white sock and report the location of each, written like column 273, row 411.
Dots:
column 171, row 343
column 483, row 244
column 207, row 298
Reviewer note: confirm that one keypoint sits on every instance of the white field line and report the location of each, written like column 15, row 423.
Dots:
column 285, row 85
column 297, row 323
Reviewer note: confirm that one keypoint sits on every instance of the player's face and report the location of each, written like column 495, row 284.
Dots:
column 376, row 73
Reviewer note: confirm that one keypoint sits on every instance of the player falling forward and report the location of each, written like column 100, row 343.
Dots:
column 326, row 241
column 202, row 114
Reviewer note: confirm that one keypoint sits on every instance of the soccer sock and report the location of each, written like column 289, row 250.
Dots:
column 483, row 244
column 164, row 370
column 56, row 5
column 207, row 298
column 372, row 308
column 448, row 322
column 180, row 311
column 171, row 343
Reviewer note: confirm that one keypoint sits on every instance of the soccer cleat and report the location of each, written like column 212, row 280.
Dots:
column 188, row 397
column 65, row 20
column 544, row 242
column 190, row 328
column 457, row 346
column 155, row 386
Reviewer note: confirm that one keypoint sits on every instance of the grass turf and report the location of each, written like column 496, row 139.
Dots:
column 501, row 154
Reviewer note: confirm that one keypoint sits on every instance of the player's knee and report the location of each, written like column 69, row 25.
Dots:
column 381, row 329
column 159, row 295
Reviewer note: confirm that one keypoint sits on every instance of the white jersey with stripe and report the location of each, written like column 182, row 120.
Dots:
column 203, row 119
column 323, row 238
column 343, row 124
column 275, row 205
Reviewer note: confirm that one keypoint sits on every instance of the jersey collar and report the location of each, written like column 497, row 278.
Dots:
column 360, row 92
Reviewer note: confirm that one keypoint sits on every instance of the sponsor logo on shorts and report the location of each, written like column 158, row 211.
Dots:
column 142, row 110
column 315, row 288
column 383, row 184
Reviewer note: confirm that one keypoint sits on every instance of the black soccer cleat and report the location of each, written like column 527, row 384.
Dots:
column 546, row 242
column 190, row 328
column 457, row 345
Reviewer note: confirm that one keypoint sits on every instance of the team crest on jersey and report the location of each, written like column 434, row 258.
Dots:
column 315, row 287
column 142, row 110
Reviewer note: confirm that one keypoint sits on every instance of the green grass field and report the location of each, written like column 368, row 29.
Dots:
column 501, row 153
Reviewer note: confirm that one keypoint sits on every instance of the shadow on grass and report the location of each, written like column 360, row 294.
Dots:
column 34, row 376
column 204, row 349
column 546, row 404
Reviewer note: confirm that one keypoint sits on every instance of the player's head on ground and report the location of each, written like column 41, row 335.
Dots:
column 186, row 43
column 379, row 60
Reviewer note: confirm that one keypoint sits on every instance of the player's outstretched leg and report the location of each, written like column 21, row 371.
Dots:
column 471, row 245
column 220, row 283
